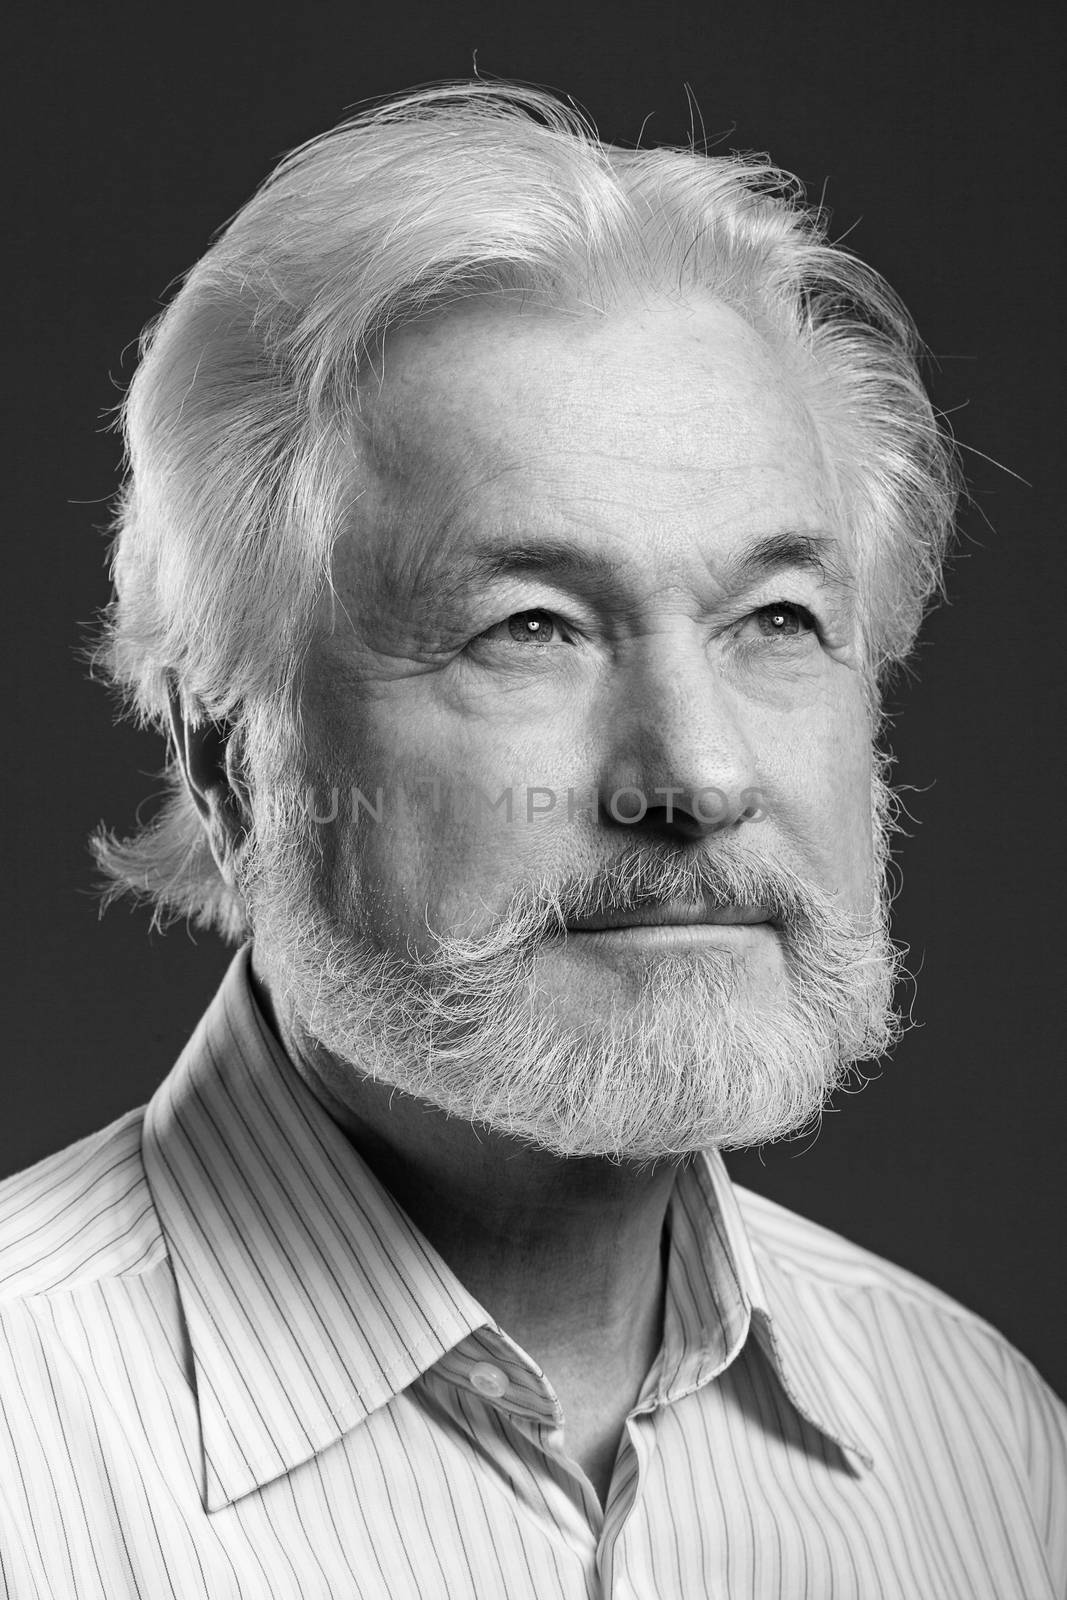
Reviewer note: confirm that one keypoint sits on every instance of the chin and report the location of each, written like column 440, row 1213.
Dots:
column 581, row 981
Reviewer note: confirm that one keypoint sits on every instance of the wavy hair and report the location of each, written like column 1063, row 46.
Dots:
column 238, row 423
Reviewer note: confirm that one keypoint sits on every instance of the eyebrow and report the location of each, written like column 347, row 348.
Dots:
column 818, row 553
column 560, row 558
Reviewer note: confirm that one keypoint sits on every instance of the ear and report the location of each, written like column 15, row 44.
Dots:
column 205, row 756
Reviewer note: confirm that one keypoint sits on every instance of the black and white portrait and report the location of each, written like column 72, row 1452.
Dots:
column 534, row 951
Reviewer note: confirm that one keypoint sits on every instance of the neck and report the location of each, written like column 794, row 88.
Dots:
column 564, row 1253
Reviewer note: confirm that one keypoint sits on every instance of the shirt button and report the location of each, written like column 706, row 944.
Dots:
column 489, row 1380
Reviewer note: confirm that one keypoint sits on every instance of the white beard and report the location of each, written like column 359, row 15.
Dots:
column 696, row 1056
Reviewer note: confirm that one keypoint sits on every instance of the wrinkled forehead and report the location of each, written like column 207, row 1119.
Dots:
column 424, row 446
column 491, row 412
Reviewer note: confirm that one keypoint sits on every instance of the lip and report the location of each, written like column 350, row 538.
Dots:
column 671, row 916
column 667, row 936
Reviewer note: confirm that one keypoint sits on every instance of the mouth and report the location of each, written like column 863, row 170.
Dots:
column 673, row 916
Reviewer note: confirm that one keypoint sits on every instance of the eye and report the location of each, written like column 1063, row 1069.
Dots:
column 783, row 619
column 534, row 628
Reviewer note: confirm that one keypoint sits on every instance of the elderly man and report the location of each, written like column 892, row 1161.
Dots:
column 518, row 534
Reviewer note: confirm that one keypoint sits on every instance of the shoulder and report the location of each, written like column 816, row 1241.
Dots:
column 816, row 1254
column 890, row 1309
column 820, row 1262
column 78, row 1216
column 940, row 1389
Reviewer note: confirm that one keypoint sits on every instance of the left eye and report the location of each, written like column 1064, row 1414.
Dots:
column 784, row 620
column 525, row 627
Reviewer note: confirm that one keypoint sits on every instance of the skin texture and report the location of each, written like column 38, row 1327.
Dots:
column 662, row 442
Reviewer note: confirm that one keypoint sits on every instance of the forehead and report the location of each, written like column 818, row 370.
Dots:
column 643, row 430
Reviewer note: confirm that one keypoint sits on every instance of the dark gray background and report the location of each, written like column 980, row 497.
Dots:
column 935, row 134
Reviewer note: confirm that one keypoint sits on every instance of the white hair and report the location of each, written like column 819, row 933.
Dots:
column 242, row 468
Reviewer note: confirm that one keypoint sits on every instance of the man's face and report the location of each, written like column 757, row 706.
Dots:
column 579, row 622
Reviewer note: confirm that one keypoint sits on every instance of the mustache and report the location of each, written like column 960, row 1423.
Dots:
column 641, row 876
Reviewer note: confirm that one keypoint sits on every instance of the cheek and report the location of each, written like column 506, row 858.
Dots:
column 847, row 802
column 454, row 836
column 824, row 780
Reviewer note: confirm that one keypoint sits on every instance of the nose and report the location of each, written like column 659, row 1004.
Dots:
column 679, row 758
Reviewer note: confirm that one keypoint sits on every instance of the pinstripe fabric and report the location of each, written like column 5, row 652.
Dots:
column 229, row 1366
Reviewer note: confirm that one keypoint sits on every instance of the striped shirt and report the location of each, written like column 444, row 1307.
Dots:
column 231, row 1366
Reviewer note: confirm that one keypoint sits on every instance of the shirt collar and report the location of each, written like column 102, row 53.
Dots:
column 310, row 1299
column 726, row 1284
